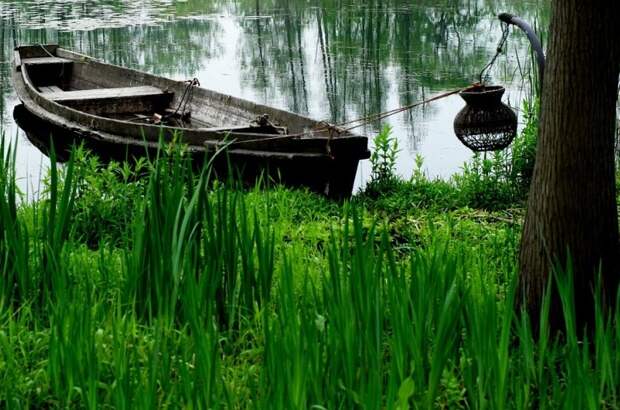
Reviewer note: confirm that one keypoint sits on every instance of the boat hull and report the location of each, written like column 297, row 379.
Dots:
column 69, row 98
column 320, row 174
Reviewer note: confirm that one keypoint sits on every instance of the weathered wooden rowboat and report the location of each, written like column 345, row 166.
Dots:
column 123, row 112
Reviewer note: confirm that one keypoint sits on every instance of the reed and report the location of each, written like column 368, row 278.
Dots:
column 278, row 299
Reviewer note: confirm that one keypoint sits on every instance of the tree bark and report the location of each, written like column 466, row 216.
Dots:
column 572, row 202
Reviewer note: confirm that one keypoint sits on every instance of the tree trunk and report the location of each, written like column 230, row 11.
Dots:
column 572, row 202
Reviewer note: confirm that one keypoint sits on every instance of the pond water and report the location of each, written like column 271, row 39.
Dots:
column 335, row 60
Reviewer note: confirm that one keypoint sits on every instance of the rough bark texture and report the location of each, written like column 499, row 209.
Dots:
column 572, row 202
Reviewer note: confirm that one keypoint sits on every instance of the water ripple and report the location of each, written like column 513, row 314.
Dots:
column 71, row 15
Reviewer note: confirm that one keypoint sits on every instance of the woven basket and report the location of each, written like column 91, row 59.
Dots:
column 485, row 123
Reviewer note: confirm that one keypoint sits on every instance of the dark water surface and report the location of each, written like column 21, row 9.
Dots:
column 331, row 59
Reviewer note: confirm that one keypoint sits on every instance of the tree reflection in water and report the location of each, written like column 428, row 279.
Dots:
column 331, row 59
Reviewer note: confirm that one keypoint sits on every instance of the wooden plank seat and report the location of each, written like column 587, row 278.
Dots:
column 50, row 89
column 45, row 60
column 103, row 101
column 105, row 93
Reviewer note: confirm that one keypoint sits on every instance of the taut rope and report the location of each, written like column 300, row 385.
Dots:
column 380, row 116
column 340, row 128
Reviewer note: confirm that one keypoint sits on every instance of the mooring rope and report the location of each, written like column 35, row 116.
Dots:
column 338, row 128
column 47, row 51
column 380, row 116
column 62, row 67
column 187, row 97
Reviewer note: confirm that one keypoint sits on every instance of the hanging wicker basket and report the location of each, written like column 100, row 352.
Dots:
column 485, row 123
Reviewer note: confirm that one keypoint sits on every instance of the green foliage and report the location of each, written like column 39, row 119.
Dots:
column 618, row 185
column 278, row 299
column 495, row 181
column 107, row 198
column 504, row 179
column 30, row 250
column 523, row 155
column 485, row 184
column 383, row 161
column 419, row 192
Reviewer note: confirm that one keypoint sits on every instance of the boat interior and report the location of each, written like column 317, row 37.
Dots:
column 115, row 93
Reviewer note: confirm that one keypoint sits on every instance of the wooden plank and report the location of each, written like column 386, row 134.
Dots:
column 51, row 89
column 46, row 60
column 151, row 103
column 105, row 93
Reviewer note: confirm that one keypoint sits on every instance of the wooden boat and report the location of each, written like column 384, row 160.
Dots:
column 124, row 112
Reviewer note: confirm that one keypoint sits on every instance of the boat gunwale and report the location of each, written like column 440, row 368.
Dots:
column 59, row 121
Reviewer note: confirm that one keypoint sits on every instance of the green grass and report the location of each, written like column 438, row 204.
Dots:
column 174, row 291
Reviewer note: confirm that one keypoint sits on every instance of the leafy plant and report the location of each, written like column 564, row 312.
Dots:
column 485, row 183
column 383, row 159
column 523, row 152
column 108, row 196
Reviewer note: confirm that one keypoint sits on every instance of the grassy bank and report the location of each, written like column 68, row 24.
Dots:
column 173, row 291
